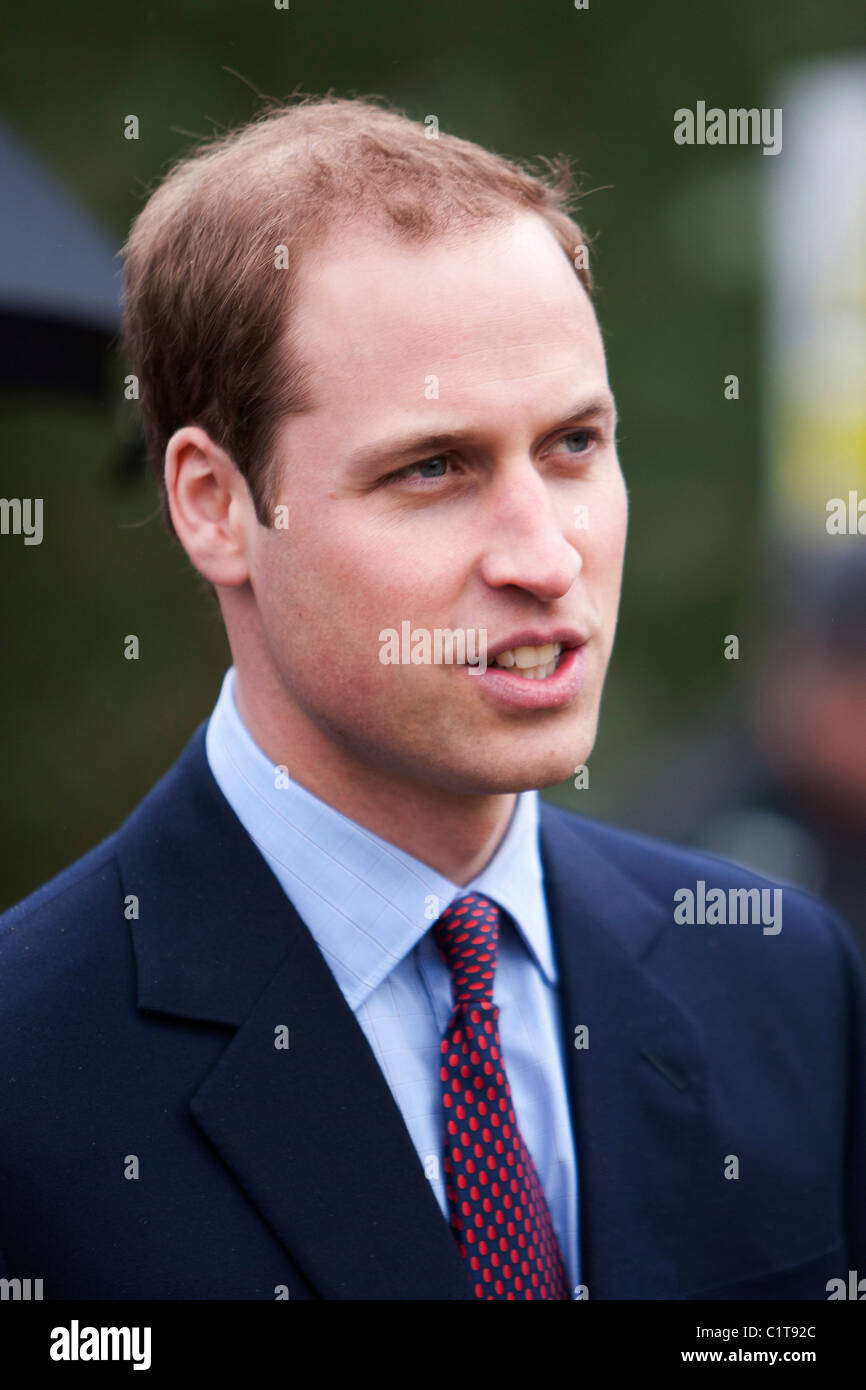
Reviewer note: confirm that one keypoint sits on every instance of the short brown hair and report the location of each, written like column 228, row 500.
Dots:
column 207, row 311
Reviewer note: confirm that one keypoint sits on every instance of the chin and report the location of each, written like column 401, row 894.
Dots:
column 520, row 773
column 554, row 759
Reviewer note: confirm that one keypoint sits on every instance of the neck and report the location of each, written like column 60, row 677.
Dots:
column 455, row 833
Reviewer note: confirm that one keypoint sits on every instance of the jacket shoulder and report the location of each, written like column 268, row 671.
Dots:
column 90, row 874
column 86, row 884
column 660, row 868
column 648, row 858
column 54, row 932
column 73, row 926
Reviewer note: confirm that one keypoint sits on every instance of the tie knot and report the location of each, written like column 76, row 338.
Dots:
column 467, row 934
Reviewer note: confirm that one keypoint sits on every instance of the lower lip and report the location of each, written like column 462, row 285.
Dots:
column 555, row 690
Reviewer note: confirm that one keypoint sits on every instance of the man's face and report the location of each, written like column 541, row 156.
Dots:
column 459, row 471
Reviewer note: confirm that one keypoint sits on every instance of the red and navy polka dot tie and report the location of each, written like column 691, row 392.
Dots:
column 499, row 1214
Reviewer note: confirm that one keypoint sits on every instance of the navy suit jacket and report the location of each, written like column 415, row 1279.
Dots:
column 263, row 1170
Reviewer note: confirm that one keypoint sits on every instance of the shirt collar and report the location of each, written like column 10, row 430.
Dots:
column 366, row 902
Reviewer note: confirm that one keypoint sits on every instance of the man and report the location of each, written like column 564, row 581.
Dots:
column 342, row 1010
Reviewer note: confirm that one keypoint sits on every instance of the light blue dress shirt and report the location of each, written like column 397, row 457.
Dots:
column 369, row 906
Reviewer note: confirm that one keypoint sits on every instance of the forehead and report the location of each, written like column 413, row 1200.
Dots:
column 381, row 316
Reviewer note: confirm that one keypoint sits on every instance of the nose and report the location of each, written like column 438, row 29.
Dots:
column 527, row 544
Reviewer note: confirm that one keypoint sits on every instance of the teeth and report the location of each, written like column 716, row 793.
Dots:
column 533, row 656
column 532, row 663
column 538, row 673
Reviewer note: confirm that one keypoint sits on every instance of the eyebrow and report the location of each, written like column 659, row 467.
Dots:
column 409, row 447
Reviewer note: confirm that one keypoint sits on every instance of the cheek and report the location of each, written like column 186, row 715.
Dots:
column 399, row 564
column 355, row 584
column 604, row 540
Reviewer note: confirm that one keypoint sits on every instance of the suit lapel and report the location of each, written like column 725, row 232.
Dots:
column 311, row 1132
column 638, row 1090
column 316, row 1140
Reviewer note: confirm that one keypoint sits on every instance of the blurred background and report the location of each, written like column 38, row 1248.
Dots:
column 711, row 263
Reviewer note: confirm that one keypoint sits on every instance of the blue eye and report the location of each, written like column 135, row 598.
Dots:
column 440, row 463
column 431, row 463
column 589, row 435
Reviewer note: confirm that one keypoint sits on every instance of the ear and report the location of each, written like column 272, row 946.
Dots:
column 210, row 505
